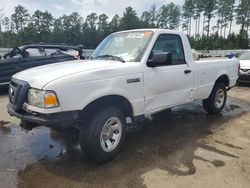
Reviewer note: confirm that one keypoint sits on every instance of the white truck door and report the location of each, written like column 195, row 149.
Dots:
column 170, row 85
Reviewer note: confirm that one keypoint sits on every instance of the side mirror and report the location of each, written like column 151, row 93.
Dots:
column 160, row 59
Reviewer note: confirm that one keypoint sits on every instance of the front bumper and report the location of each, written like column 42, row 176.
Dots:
column 61, row 119
column 244, row 78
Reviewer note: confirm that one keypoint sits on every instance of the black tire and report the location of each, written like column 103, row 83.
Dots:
column 209, row 104
column 90, row 134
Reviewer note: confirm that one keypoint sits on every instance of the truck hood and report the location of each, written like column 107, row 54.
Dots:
column 245, row 64
column 38, row 77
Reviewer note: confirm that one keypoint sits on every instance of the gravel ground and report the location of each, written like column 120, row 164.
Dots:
column 185, row 148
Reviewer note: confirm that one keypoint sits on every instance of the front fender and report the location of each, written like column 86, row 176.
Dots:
column 78, row 96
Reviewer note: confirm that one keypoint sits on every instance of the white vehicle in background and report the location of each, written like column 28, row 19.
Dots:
column 244, row 75
column 131, row 76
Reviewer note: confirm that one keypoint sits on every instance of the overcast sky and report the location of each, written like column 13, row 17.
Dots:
column 85, row 7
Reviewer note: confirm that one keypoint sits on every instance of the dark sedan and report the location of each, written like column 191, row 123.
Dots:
column 25, row 57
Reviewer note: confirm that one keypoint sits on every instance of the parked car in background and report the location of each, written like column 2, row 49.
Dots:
column 28, row 56
column 244, row 75
column 231, row 55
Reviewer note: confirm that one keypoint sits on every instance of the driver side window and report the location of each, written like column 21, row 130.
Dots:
column 170, row 43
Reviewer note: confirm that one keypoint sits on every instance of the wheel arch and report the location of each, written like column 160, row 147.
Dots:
column 108, row 100
column 223, row 79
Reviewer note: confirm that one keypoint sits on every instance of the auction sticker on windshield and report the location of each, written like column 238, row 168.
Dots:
column 136, row 35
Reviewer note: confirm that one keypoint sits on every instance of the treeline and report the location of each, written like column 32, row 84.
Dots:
column 207, row 22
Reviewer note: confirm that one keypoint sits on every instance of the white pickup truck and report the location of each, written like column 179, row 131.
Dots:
column 131, row 75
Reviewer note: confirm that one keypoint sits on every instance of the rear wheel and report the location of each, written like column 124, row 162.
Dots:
column 103, row 136
column 215, row 103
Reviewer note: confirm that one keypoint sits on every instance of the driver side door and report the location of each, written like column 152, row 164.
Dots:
column 169, row 85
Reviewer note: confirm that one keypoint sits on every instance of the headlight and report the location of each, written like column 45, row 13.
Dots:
column 42, row 99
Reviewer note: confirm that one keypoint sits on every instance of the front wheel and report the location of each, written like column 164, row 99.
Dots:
column 215, row 103
column 102, row 137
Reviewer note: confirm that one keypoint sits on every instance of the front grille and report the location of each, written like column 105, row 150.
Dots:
column 18, row 93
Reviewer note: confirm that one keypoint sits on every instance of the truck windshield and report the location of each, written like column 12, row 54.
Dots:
column 126, row 46
column 245, row 56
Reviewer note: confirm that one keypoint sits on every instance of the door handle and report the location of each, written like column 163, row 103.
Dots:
column 187, row 71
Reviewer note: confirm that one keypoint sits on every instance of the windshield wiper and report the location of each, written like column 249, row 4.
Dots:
column 117, row 58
